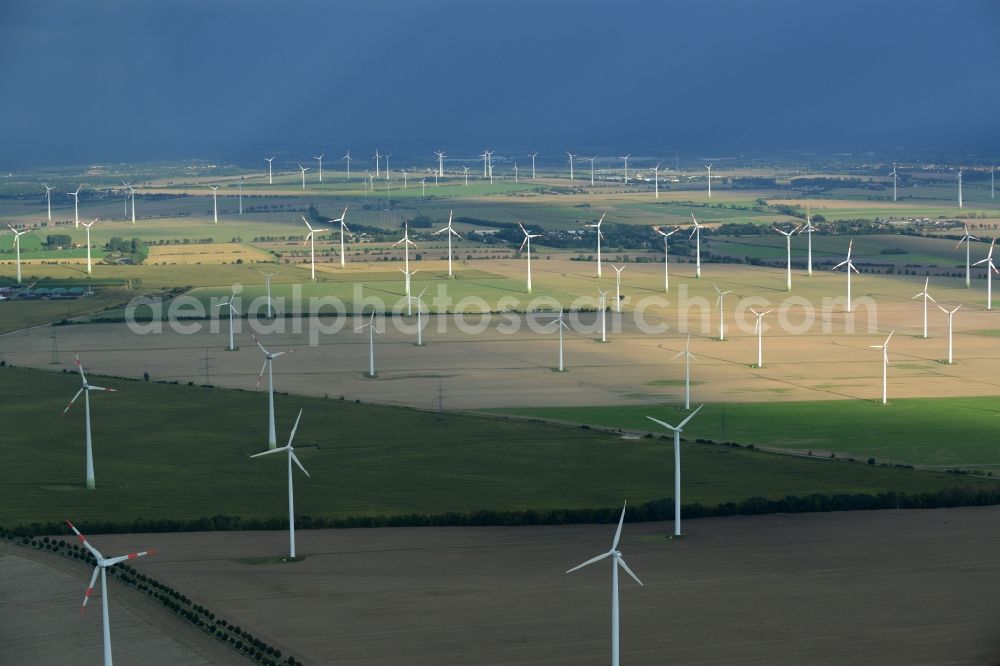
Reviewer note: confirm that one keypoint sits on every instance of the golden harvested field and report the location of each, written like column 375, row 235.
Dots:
column 215, row 253
column 864, row 587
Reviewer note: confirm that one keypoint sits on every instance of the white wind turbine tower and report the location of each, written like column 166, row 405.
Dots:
column 688, row 357
column 231, row 304
column 17, row 249
column 788, row 253
column 423, row 187
column 291, row 493
column 376, row 162
column 420, row 325
column 239, row 191
column 759, row 330
column 343, row 228
column 88, row 225
column 960, row 188
column 303, row 170
column 709, row 167
column 267, row 285
column 465, row 168
column 85, row 389
column 48, row 199
column 311, row 239
column 76, row 206
column 926, row 296
column 486, row 156
column 850, row 267
column 571, row 156
column 407, row 277
column 678, row 429
column 527, row 243
column 515, row 172
column 666, row 255
column 808, row 229
column 386, row 169
column 603, row 307
column 270, row 161
column 405, row 184
column 131, row 192
column 616, row 562
column 491, row 168
column 656, row 180
column 592, row 159
column 440, row 154
column 951, row 314
column 451, row 232
column 990, row 269
column 967, row 239
column 626, row 167
column 885, row 362
column 893, row 174
column 618, row 286
column 102, row 565
column 560, row 320
column 720, row 303
column 125, row 187
column 405, row 240
column 320, row 159
column 533, row 156
column 371, row 343
column 215, row 203
column 268, row 362
column 348, row 158
column 599, row 237
column 696, row 234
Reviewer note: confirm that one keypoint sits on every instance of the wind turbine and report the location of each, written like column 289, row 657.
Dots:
column 688, row 357
column 515, row 172
column 592, row 169
column 656, row 180
column 719, row 302
column 420, row 327
column 466, row 169
column 343, row 228
column 486, row 156
column 371, row 343
column 967, row 239
column 451, row 232
column 85, row 389
column 76, row 206
column 125, row 187
column 666, row 255
column 618, row 286
column 303, row 170
column 88, row 225
column 320, row 159
column 696, row 234
column 960, row 188
column 893, row 174
column 48, row 199
column 131, row 192
column 571, row 156
column 533, row 156
column 405, row 240
column 291, row 493
column 759, row 330
column 269, row 160
column 215, row 203
column 616, row 561
column 102, row 565
column 885, row 362
column 348, row 158
column 17, row 249
column 850, row 267
column 990, row 266
column 311, row 239
column 788, row 252
column 239, row 190
column 407, row 275
column 423, row 187
column 951, row 314
column 560, row 320
column 603, row 306
column 268, row 362
column 386, row 169
column 440, row 154
column 709, row 167
column 626, row 167
column 678, row 429
column 267, row 284
column 376, row 162
column 231, row 304
column 599, row 237
column 527, row 243
column 926, row 297
column 808, row 229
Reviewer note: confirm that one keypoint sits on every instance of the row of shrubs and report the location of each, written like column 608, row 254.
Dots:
column 654, row 510
column 232, row 635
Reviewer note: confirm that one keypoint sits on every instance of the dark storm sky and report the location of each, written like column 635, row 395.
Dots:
column 132, row 81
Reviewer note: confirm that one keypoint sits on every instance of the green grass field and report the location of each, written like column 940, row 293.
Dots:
column 941, row 433
column 166, row 451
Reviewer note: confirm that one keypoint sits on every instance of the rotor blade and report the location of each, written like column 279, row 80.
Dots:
column 690, row 416
column 588, row 562
column 96, row 553
column 91, row 387
column 663, row 423
column 295, row 459
column 79, row 366
column 90, row 588
column 262, row 369
column 269, row 452
column 131, row 556
column 252, row 335
column 624, row 566
column 294, row 428
column 73, row 400
column 618, row 532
